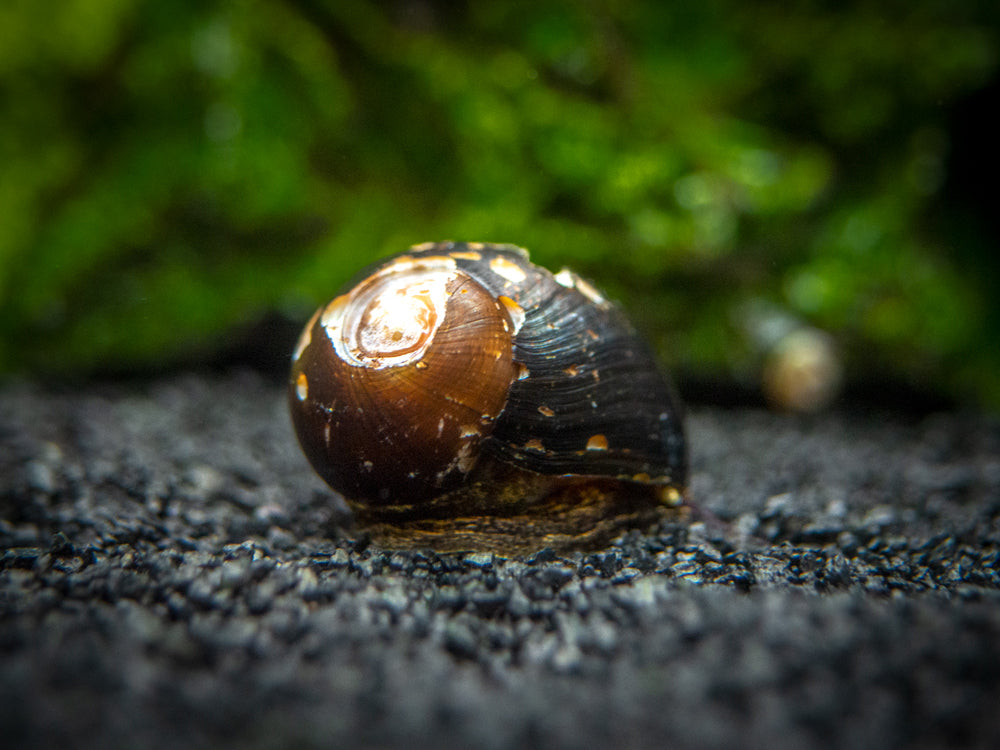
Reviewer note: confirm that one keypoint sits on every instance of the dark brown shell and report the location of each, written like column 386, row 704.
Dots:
column 524, row 411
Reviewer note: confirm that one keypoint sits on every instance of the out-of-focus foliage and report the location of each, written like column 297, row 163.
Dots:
column 171, row 170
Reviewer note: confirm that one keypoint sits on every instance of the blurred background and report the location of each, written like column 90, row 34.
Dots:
column 792, row 199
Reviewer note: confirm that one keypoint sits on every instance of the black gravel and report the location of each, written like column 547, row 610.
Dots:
column 172, row 574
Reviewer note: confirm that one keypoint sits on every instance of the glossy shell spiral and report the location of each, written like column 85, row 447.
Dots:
column 460, row 396
column 407, row 375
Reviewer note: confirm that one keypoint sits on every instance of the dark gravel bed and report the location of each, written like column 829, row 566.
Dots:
column 172, row 574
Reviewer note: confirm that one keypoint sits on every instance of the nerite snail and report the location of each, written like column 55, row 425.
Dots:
column 460, row 397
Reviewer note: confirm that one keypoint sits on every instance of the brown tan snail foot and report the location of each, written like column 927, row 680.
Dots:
column 460, row 397
column 524, row 514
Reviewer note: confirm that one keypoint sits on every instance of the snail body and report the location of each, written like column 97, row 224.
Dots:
column 460, row 397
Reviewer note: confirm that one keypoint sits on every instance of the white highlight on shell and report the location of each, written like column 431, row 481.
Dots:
column 465, row 458
column 589, row 291
column 570, row 280
column 565, row 277
column 390, row 319
column 463, row 461
column 305, row 339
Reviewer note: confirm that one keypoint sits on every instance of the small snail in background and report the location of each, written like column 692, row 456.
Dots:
column 460, row 397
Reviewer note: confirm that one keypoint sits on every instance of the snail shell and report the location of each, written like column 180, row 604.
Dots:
column 460, row 397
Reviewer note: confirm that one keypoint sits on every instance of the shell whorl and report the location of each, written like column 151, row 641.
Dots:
column 400, row 379
column 391, row 319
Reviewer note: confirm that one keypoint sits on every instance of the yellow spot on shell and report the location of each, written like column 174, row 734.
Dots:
column 466, row 256
column 302, row 386
column 546, row 411
column 534, row 445
column 514, row 311
column 572, row 371
column 597, row 443
column 507, row 269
